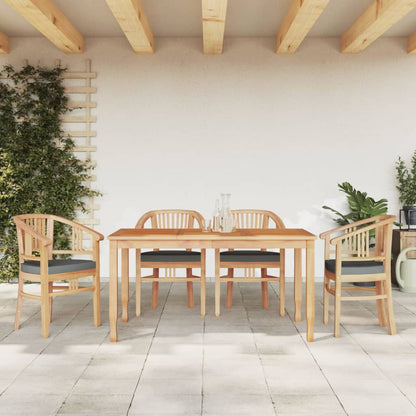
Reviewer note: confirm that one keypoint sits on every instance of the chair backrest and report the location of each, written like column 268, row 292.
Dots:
column 35, row 231
column 366, row 239
column 256, row 218
column 171, row 219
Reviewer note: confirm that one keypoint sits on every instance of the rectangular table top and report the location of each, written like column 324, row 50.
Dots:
column 195, row 234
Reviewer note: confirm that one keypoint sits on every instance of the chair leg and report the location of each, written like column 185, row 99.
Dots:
column 50, row 290
column 326, row 299
column 282, row 291
column 125, row 284
column 138, row 282
column 390, row 314
column 138, row 288
column 155, row 289
column 44, row 308
column 380, row 305
column 96, row 300
column 264, row 290
column 230, row 286
column 337, row 307
column 19, row 304
column 217, row 282
column 190, row 289
column 298, row 284
column 203, row 282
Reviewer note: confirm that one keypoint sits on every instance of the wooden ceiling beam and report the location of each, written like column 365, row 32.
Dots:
column 51, row 22
column 297, row 23
column 411, row 44
column 380, row 16
column 133, row 22
column 4, row 43
column 213, row 25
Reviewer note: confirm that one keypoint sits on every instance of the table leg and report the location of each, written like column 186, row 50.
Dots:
column 310, row 289
column 298, row 284
column 125, row 284
column 217, row 282
column 113, row 290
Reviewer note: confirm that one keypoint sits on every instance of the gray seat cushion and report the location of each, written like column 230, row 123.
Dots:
column 171, row 256
column 58, row 266
column 249, row 256
column 356, row 267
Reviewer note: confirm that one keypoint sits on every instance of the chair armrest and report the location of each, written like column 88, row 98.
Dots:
column 98, row 236
column 345, row 227
column 389, row 219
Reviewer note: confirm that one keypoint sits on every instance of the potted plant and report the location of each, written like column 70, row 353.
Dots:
column 361, row 205
column 407, row 188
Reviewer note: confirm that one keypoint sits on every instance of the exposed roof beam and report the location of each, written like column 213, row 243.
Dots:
column 133, row 21
column 4, row 43
column 379, row 17
column 51, row 22
column 298, row 21
column 213, row 25
column 411, row 43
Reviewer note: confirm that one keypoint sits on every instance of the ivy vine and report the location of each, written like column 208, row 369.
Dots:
column 39, row 172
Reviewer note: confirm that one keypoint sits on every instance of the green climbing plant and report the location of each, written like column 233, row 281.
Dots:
column 39, row 172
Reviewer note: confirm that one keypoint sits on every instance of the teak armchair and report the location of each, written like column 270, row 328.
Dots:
column 362, row 254
column 35, row 235
column 171, row 259
column 249, row 260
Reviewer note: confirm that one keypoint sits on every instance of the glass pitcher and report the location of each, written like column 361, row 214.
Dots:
column 226, row 217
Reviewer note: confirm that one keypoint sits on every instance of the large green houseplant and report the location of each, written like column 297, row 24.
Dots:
column 39, row 172
column 407, row 188
column 360, row 204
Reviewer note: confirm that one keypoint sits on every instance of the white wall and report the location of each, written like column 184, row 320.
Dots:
column 279, row 132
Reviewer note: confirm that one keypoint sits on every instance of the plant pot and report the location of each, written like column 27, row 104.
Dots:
column 410, row 214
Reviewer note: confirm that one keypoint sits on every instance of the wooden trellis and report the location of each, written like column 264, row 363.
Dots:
column 78, row 124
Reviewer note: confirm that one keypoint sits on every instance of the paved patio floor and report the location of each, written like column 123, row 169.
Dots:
column 171, row 361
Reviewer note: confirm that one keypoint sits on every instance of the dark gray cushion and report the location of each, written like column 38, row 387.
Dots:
column 58, row 266
column 171, row 256
column 356, row 267
column 249, row 255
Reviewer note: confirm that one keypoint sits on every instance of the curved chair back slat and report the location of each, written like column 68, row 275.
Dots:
column 256, row 218
column 171, row 219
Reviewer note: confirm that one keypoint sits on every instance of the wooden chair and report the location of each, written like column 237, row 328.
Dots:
column 35, row 235
column 249, row 260
column 171, row 259
column 362, row 254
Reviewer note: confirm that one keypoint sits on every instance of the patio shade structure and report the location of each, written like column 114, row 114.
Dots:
column 217, row 20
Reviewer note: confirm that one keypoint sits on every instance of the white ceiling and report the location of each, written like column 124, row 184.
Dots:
column 183, row 18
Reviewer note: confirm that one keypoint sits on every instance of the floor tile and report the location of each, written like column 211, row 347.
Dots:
column 309, row 404
column 98, row 404
column 157, row 403
column 238, row 404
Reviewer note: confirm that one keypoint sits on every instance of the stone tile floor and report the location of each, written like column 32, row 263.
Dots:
column 171, row 361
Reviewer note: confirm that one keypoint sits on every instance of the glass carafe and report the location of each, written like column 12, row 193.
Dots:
column 226, row 217
column 216, row 215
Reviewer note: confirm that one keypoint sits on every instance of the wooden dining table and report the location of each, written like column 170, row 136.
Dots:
column 289, row 238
